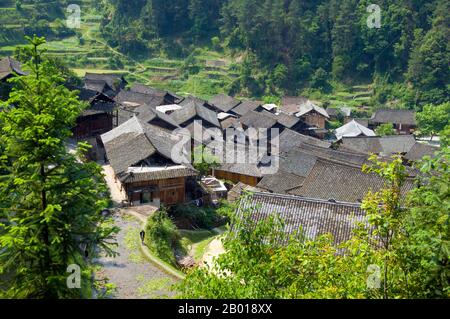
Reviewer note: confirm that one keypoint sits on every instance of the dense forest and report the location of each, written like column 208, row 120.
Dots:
column 289, row 45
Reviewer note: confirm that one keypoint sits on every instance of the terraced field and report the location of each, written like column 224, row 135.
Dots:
column 87, row 51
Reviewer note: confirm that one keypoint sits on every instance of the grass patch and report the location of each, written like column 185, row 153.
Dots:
column 197, row 241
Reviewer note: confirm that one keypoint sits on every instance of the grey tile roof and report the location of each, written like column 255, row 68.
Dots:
column 419, row 150
column 127, row 150
column 158, row 175
column 257, row 120
column 135, row 141
column 192, row 111
column 246, row 107
column 149, row 114
column 291, row 104
column 238, row 190
column 280, row 182
column 386, row 145
column 9, row 66
column 407, row 117
column 340, row 182
column 353, row 129
column 285, row 120
column 224, row 102
column 125, row 97
column 312, row 217
column 290, row 139
column 145, row 89
column 114, row 81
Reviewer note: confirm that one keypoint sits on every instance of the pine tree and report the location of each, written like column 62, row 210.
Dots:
column 51, row 201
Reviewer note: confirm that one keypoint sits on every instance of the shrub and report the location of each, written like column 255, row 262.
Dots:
column 162, row 236
column 199, row 217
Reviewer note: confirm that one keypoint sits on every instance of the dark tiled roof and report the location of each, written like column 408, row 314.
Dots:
column 192, row 111
column 258, row 120
column 127, row 150
column 144, row 89
column 149, row 115
column 135, row 141
column 363, row 122
column 9, row 66
column 167, row 173
column 114, row 81
column 419, row 150
column 290, row 139
column 246, row 107
column 228, row 122
column 280, row 182
column 385, row 145
column 224, row 102
column 126, row 97
column 285, row 120
column 312, row 217
column 237, row 191
column 406, row 117
column 346, row 183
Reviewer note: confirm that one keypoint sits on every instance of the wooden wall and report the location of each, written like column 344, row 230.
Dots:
column 169, row 191
column 236, row 178
column 88, row 126
column 314, row 119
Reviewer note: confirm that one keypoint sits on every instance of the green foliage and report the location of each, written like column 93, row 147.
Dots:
column 51, row 202
column 385, row 129
column 204, row 161
column 408, row 249
column 162, row 236
column 199, row 217
column 433, row 119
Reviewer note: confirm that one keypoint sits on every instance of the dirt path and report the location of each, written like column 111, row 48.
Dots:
column 117, row 195
column 133, row 276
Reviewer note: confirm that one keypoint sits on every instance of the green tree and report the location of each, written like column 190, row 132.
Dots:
column 385, row 129
column 433, row 119
column 51, row 202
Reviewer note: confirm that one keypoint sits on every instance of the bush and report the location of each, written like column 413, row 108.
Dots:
column 162, row 236
column 199, row 217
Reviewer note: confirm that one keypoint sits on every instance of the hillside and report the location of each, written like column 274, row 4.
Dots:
column 86, row 51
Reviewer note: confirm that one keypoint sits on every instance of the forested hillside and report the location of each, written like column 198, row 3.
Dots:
column 295, row 44
column 323, row 49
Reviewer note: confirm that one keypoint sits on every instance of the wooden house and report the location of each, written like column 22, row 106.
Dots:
column 109, row 84
column 141, row 157
column 404, row 121
column 100, row 117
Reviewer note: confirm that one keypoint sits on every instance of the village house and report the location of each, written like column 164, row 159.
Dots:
column 169, row 98
column 405, row 145
column 312, row 217
column 100, row 117
column 353, row 129
column 341, row 113
column 141, row 157
column 338, row 181
column 313, row 116
column 404, row 121
column 109, row 84
column 246, row 106
column 224, row 103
